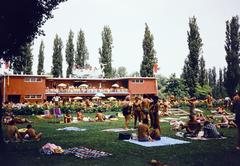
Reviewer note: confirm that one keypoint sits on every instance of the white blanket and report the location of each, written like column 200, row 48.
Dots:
column 165, row 141
column 71, row 129
column 118, row 130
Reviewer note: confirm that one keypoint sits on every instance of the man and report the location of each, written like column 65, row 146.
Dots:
column 32, row 133
column 137, row 110
column 143, row 132
column 126, row 110
column 12, row 131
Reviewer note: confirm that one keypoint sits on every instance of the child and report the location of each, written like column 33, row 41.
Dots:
column 32, row 133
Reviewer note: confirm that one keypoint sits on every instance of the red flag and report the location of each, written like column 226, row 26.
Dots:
column 155, row 68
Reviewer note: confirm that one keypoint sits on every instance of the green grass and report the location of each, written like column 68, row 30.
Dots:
column 198, row 153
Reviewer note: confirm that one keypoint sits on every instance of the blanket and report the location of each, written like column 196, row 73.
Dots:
column 165, row 141
column 71, row 129
column 199, row 137
column 86, row 153
column 118, row 130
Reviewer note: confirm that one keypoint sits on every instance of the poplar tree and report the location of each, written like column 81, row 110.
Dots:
column 57, row 57
column 202, row 72
column 231, row 80
column 122, row 71
column 69, row 53
column 40, row 68
column 149, row 54
column 82, row 55
column 105, row 52
column 191, row 67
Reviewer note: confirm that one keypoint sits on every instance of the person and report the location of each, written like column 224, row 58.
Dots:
column 80, row 115
column 126, row 110
column 236, row 109
column 154, row 109
column 223, row 123
column 100, row 117
column 193, row 126
column 192, row 105
column 137, row 110
column 32, row 133
column 155, row 134
column 143, row 131
column 210, row 130
column 12, row 132
column 209, row 100
column 145, row 107
column 68, row 117
column 200, row 117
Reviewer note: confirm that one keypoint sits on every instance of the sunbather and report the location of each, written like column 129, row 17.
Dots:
column 80, row 115
column 155, row 134
column 67, row 117
column 100, row 117
column 12, row 132
column 32, row 133
column 143, row 131
column 193, row 126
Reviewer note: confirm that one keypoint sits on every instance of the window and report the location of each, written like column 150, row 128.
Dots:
column 33, row 79
column 137, row 81
column 33, row 97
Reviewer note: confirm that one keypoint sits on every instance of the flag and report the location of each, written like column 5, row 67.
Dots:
column 155, row 68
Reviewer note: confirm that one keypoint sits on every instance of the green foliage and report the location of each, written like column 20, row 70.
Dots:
column 176, row 87
column 57, row 57
column 82, row 55
column 69, row 53
column 135, row 74
column 122, row 71
column 24, row 60
column 149, row 54
column 105, row 52
column 202, row 72
column 232, row 75
column 191, row 66
column 40, row 69
column 202, row 91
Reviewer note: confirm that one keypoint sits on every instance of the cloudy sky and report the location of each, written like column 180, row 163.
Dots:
column 167, row 19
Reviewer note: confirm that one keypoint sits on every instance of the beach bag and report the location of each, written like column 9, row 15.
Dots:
column 124, row 136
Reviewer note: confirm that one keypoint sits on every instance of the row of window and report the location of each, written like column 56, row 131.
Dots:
column 137, row 81
column 33, row 97
column 33, row 79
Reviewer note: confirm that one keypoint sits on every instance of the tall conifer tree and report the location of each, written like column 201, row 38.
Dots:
column 40, row 69
column 202, row 72
column 69, row 53
column 232, row 55
column 57, row 57
column 149, row 54
column 106, row 52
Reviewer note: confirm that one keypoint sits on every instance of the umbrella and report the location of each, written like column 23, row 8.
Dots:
column 96, row 98
column 62, row 85
column 83, row 86
column 78, row 98
column 111, row 98
column 99, row 94
column 115, row 86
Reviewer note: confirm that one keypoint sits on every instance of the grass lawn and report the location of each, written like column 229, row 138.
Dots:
column 198, row 153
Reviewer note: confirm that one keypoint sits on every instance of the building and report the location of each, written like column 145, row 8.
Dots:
column 32, row 88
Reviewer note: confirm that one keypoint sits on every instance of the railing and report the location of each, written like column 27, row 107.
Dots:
column 86, row 91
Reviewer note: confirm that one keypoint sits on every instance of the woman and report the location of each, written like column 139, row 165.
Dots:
column 137, row 110
column 126, row 110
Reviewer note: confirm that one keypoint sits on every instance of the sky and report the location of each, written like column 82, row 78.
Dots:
column 168, row 22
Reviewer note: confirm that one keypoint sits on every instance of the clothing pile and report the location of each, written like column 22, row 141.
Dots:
column 49, row 149
column 86, row 153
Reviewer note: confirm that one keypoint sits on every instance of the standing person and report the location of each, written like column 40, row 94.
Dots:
column 236, row 109
column 155, row 113
column 145, row 109
column 137, row 110
column 126, row 110
column 209, row 100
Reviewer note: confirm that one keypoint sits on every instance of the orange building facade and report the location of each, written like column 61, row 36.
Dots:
column 36, row 88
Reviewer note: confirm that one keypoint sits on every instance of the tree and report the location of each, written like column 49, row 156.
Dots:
column 69, row 53
column 57, row 57
column 122, row 71
column 202, row 72
column 20, row 22
column 105, row 52
column 191, row 68
column 176, row 87
column 81, row 52
column 40, row 69
column 214, row 82
column 149, row 54
column 22, row 63
column 114, row 73
column 135, row 74
column 221, row 90
column 232, row 42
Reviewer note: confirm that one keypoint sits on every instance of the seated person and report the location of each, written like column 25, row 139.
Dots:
column 155, row 134
column 68, row 117
column 210, row 130
column 193, row 126
column 12, row 131
column 200, row 117
column 80, row 116
column 32, row 133
column 226, row 123
column 221, row 110
column 143, row 131
column 100, row 117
